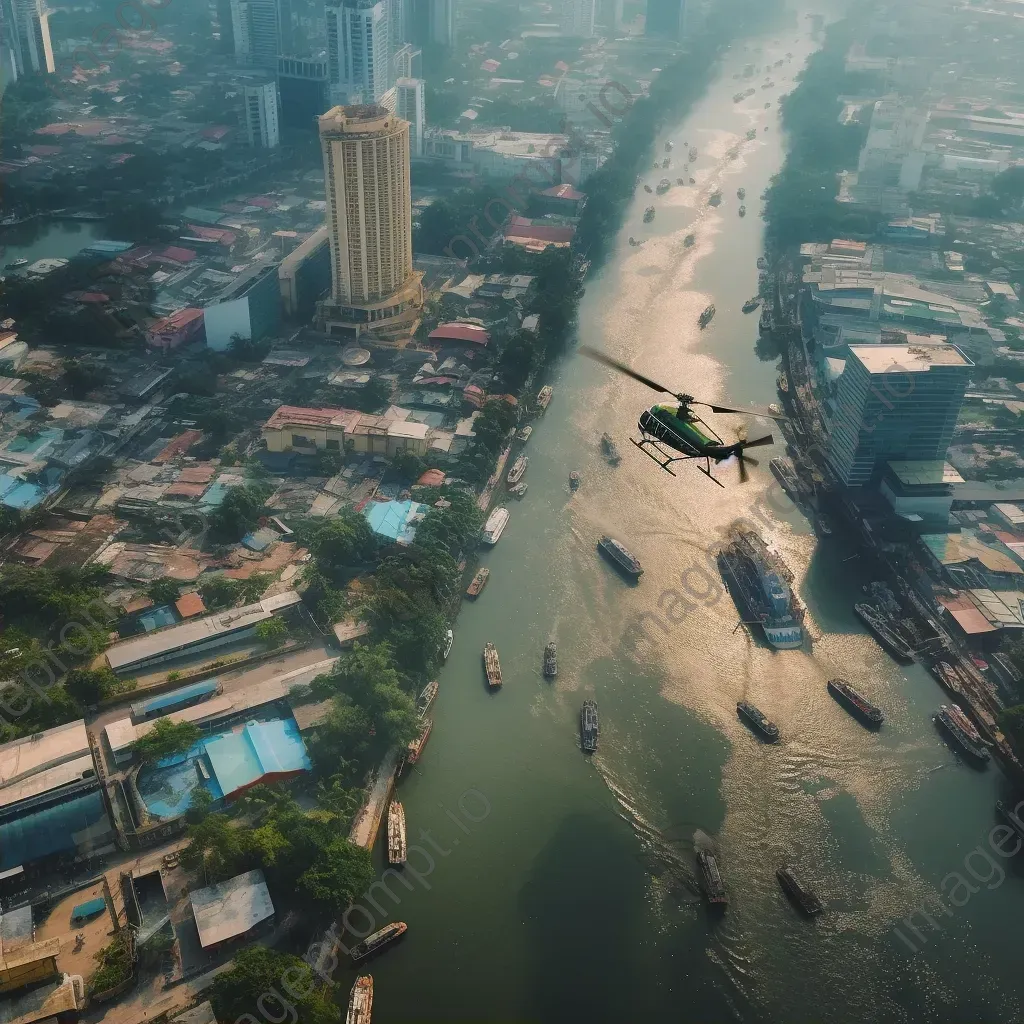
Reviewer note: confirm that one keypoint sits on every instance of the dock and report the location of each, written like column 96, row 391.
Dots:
column 368, row 818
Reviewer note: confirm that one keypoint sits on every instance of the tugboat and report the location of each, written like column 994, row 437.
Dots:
column 743, row 211
column 519, row 491
column 768, row 729
column 961, row 729
column 574, row 480
column 427, row 696
column 648, row 214
column 515, row 474
column 711, row 879
column 705, row 318
column 397, row 846
column 550, row 661
column 805, row 900
column 663, row 186
column 491, row 667
column 378, row 940
column 620, row 557
column 590, row 730
column 478, row 583
column 524, row 434
column 449, row 639
column 609, row 450
column 854, row 702
column 360, row 1002
column 751, row 304
column 495, row 526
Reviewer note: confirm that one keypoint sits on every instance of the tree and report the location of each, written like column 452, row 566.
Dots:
column 371, row 398
column 166, row 739
column 340, row 873
column 81, row 376
column 343, row 542
column 90, row 686
column 219, row 592
column 239, row 512
column 408, row 465
column 272, row 632
column 164, row 591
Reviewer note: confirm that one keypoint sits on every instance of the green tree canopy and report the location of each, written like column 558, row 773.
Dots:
column 239, row 512
column 341, row 543
column 166, row 739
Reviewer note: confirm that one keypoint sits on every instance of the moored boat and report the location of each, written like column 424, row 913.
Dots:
column 951, row 722
column 663, row 186
column 397, row 845
column 855, row 702
column 515, row 474
column 492, row 668
column 449, row 639
column 743, row 211
column 550, row 660
column 574, row 480
column 360, row 1002
column 768, row 729
column 875, row 619
column 495, row 526
column 378, row 940
column 711, row 878
column 824, row 524
column 620, row 557
column 524, row 434
column 590, row 729
column 415, row 748
column 741, row 194
column 705, row 318
column 427, row 697
column 544, row 396
column 519, row 491
column 478, row 583
column 751, row 304
column 805, row 900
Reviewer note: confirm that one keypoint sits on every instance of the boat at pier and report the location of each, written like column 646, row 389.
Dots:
column 620, row 557
column 705, row 318
column 397, row 845
column 649, row 214
column 752, row 303
column 524, row 434
column 515, row 474
column 856, row 703
column 360, row 1002
column 890, row 639
column 427, row 697
column 711, row 878
column 785, row 472
column 590, row 730
column 449, row 639
column 761, row 586
column 550, row 660
column 378, row 940
column 519, row 491
column 495, row 526
column 951, row 720
column 478, row 583
column 544, row 397
column 768, row 729
column 762, row 263
column 415, row 748
column 574, row 480
column 492, row 668
column 803, row 898
column 609, row 450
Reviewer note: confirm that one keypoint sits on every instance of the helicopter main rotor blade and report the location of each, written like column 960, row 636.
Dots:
column 758, row 442
column 600, row 357
column 750, row 410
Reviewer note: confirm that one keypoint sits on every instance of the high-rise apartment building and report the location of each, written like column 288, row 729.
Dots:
column 302, row 86
column 358, row 51
column 369, row 216
column 665, row 18
column 578, row 18
column 261, row 31
column 400, row 18
column 407, row 61
column 261, row 104
column 895, row 402
column 411, row 106
column 26, row 33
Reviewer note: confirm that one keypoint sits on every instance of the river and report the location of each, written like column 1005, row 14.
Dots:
column 553, row 887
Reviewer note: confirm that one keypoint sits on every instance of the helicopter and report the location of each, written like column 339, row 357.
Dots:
column 674, row 427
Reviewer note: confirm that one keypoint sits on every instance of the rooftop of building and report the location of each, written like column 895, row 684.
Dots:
column 22, row 758
column 308, row 416
column 232, row 908
column 957, row 548
column 924, row 472
column 881, row 359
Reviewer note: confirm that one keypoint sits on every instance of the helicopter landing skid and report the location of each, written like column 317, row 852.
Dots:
column 653, row 450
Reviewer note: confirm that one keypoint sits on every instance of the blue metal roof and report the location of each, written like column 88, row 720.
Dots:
column 51, row 830
column 167, row 701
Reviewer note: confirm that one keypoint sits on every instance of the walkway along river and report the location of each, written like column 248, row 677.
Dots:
column 553, row 887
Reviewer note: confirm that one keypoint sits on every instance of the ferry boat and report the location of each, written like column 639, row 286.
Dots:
column 544, row 396
column 761, row 586
column 427, row 697
column 716, row 198
column 741, row 194
column 711, row 878
column 875, row 619
column 856, row 703
column 415, row 749
column 706, row 317
column 478, row 583
column 360, row 1002
column 648, row 214
column 574, row 480
column 620, row 557
column 768, row 729
column 378, row 940
column 449, row 639
column 743, row 211
column 952, row 721
column 550, row 660
column 515, row 474
column 663, row 186
column 1010, row 817
column 609, row 450
column 495, row 526
column 491, row 666
column 524, row 434
column 397, row 845
column 519, row 491
column 804, row 899
column 590, row 729
column 752, row 303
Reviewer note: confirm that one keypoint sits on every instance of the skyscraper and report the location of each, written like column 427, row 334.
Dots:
column 261, row 104
column 411, row 106
column 578, row 18
column 358, row 51
column 261, row 30
column 665, row 18
column 895, row 402
column 407, row 61
column 27, row 34
column 442, row 22
column 302, row 85
column 369, row 216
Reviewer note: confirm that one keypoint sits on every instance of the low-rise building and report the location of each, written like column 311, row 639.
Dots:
column 249, row 308
column 308, row 430
column 177, row 329
column 231, row 910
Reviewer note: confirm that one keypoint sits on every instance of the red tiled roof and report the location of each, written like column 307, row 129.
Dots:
column 189, row 605
column 525, row 229
column 300, row 415
column 179, row 445
column 215, row 132
column 179, row 255
column 460, row 332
